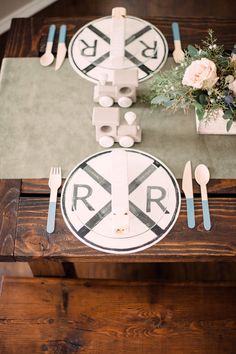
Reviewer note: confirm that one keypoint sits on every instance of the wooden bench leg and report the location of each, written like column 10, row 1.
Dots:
column 47, row 268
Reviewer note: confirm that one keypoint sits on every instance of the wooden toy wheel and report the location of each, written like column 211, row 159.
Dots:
column 106, row 101
column 125, row 102
column 126, row 141
column 106, row 141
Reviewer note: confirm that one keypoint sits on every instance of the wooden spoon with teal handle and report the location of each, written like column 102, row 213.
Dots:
column 178, row 53
column 47, row 58
column 202, row 176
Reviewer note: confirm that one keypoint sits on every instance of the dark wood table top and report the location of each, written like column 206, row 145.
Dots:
column 24, row 203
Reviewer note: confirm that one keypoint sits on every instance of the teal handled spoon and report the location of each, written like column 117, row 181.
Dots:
column 178, row 53
column 202, row 176
column 47, row 58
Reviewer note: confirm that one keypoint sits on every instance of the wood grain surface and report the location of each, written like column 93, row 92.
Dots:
column 9, row 199
column 141, row 8
column 181, row 244
column 225, row 187
column 71, row 316
column 27, row 37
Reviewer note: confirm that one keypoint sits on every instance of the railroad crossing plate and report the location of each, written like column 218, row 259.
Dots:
column 145, row 48
column 153, row 197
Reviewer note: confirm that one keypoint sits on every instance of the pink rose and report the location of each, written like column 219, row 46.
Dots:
column 232, row 86
column 200, row 74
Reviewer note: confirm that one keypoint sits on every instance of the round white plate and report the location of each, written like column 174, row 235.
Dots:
column 154, row 202
column 145, row 48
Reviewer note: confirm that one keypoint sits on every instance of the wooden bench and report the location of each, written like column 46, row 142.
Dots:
column 39, row 315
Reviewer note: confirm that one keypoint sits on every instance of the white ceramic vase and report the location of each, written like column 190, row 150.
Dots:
column 215, row 124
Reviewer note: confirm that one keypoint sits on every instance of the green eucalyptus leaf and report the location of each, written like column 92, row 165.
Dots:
column 200, row 96
column 200, row 112
column 227, row 114
column 197, row 105
column 159, row 100
column 229, row 125
column 203, row 99
column 168, row 103
column 192, row 51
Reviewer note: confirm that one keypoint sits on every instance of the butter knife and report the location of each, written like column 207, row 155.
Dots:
column 187, row 186
column 61, row 48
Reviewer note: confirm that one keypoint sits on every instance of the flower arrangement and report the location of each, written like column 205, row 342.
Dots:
column 206, row 80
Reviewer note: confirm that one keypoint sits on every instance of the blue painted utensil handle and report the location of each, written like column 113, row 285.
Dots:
column 175, row 31
column 51, row 33
column 62, row 34
column 190, row 213
column 51, row 217
column 206, row 215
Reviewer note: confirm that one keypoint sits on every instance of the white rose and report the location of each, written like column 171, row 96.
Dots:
column 200, row 74
column 233, row 57
column 229, row 79
column 232, row 86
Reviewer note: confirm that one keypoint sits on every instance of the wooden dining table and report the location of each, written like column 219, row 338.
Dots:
column 24, row 202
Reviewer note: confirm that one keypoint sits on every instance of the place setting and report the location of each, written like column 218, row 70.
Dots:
column 121, row 123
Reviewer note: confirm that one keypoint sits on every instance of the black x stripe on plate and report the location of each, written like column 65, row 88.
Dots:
column 104, row 211
column 128, row 55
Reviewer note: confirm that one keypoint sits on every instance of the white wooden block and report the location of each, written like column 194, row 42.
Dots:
column 117, row 46
column 125, row 77
column 119, row 12
column 125, row 129
column 120, row 192
column 214, row 126
column 106, row 116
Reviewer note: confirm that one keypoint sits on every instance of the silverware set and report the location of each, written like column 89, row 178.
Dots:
column 47, row 58
column 202, row 176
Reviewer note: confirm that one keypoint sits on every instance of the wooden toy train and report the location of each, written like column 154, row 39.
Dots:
column 121, row 89
column 111, row 127
column 116, row 53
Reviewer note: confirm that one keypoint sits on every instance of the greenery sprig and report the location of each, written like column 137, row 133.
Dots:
column 169, row 91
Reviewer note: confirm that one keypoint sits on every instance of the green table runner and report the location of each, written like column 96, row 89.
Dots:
column 45, row 120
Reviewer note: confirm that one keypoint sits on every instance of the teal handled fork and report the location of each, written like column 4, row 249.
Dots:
column 54, row 183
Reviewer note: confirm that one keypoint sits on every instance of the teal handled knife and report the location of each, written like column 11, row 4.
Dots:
column 61, row 48
column 187, row 186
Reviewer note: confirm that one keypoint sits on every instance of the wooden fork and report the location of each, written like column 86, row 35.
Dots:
column 54, row 183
